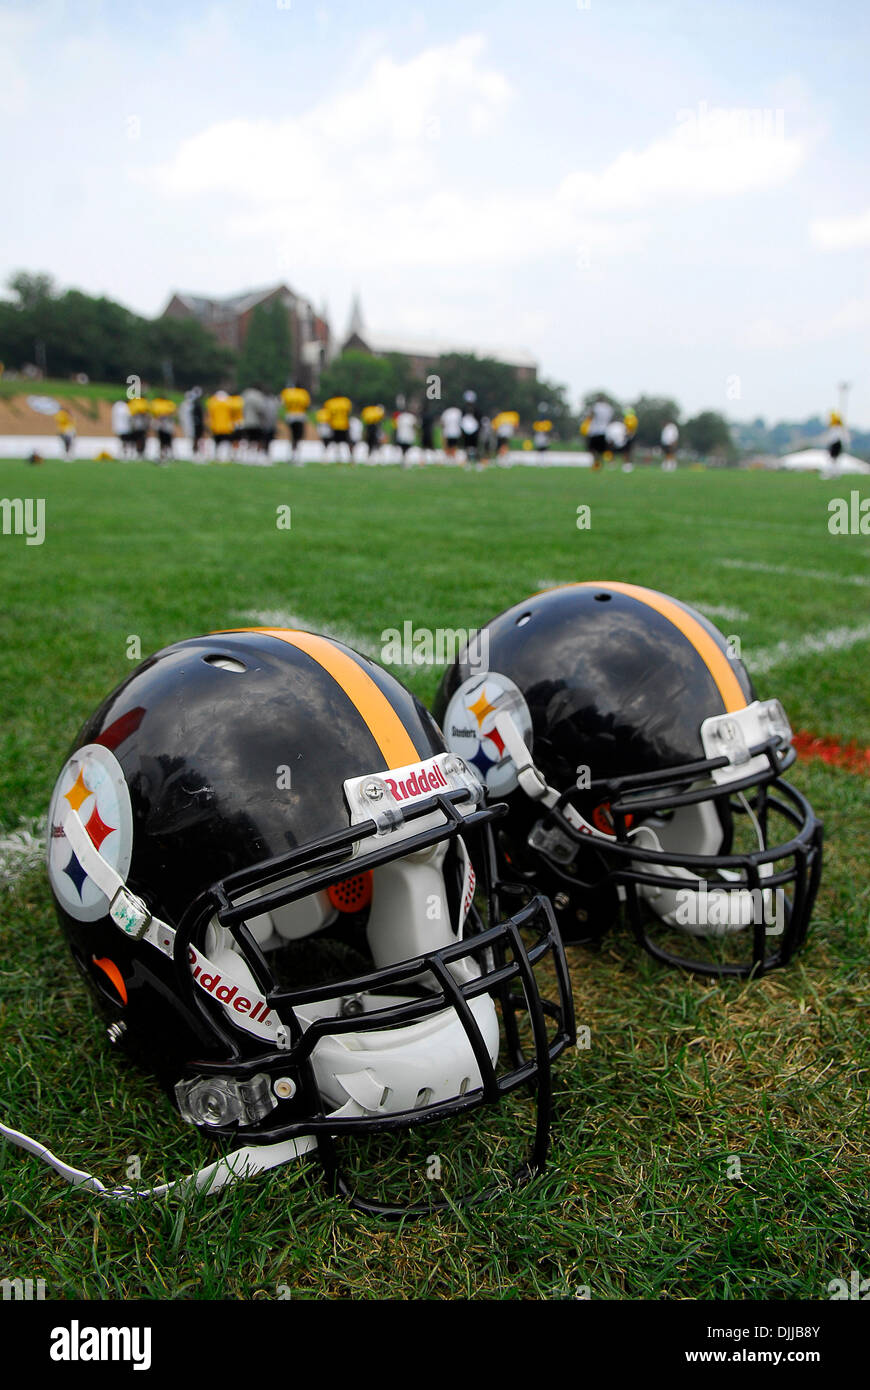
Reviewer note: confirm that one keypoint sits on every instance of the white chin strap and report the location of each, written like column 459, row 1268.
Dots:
column 709, row 910
column 533, row 782
column 242, row 1163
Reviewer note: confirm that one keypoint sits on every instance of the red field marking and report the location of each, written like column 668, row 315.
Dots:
column 847, row 755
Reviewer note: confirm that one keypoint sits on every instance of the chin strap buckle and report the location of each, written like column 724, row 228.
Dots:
column 130, row 914
column 221, row 1100
column 552, row 842
column 530, row 778
column 535, row 785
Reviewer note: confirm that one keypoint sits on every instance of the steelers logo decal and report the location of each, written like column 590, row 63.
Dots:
column 93, row 786
column 470, row 728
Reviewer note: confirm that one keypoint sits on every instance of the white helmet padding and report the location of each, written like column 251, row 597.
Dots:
column 710, row 910
column 292, row 921
column 396, row 1069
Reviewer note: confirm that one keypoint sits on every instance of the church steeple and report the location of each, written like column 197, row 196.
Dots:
column 355, row 327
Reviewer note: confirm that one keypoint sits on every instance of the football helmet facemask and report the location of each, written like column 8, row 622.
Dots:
column 640, row 769
column 260, row 851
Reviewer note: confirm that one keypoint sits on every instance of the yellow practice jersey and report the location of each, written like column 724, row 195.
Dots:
column 220, row 414
column 584, row 425
column 630, row 421
column 137, row 406
column 542, row 426
column 338, row 410
column 295, row 400
column 161, row 408
column 237, row 409
column 505, row 417
column 372, row 414
column 63, row 420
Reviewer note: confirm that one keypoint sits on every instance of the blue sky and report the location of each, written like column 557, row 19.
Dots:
column 658, row 197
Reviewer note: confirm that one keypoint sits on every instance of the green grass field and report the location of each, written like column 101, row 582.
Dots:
column 75, row 391
column 640, row 1200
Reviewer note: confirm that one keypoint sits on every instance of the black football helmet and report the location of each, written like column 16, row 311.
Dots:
column 263, row 856
column 640, row 770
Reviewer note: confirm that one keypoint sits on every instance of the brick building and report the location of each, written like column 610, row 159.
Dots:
column 229, row 319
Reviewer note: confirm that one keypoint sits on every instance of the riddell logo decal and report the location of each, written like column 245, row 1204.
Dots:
column 228, row 994
column 469, row 892
column 418, row 784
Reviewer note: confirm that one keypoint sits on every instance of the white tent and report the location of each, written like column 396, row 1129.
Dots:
column 820, row 461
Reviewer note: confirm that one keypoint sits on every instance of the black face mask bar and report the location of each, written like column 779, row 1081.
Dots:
column 632, row 798
column 507, row 974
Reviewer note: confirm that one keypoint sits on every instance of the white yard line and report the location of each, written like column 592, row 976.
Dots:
column 279, row 617
column 823, row 576
column 21, row 849
column 719, row 519
column 719, row 610
column 838, row 639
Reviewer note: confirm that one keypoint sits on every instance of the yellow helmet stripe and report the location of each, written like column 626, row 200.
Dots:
column 384, row 724
column 708, row 649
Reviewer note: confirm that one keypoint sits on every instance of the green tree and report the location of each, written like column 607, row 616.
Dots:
column 93, row 335
column 76, row 332
column 592, row 396
column 369, row 380
column 16, row 341
column 499, row 388
column 193, row 356
column 653, row 413
column 267, row 354
column 494, row 382
column 708, row 433
column 31, row 289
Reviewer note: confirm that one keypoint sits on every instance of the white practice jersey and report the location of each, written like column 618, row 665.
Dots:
column 451, row 421
column 406, row 428
column 602, row 414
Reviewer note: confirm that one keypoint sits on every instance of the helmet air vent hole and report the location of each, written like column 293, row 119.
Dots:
column 523, row 619
column 385, row 1096
column 225, row 663
column 424, row 1095
column 464, row 1085
column 603, row 598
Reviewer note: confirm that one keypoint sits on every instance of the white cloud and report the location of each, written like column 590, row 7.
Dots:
column 841, row 233
column 716, row 154
column 388, row 169
column 370, row 139
column 16, row 27
column 768, row 333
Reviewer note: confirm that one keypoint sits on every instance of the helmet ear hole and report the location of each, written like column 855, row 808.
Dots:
column 225, row 663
